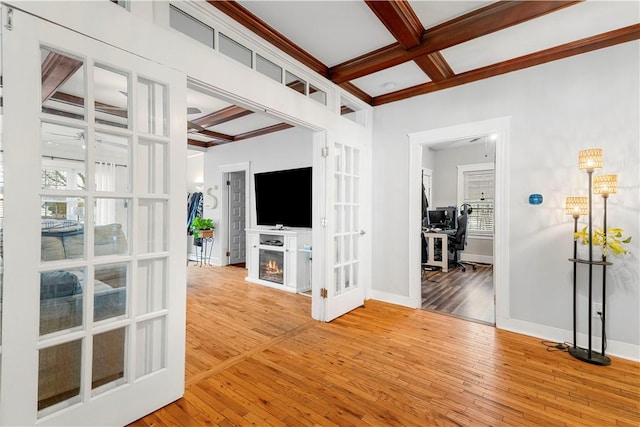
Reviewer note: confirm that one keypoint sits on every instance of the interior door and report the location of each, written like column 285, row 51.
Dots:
column 237, row 206
column 94, row 319
column 345, row 290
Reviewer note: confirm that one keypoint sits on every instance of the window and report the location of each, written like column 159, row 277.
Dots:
column 476, row 187
column 190, row 26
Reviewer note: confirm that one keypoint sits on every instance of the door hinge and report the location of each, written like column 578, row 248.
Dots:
column 9, row 24
column 228, row 182
column 324, row 152
column 324, row 222
column 228, row 253
column 324, row 293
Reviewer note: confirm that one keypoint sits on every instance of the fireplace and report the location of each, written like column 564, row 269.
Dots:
column 271, row 266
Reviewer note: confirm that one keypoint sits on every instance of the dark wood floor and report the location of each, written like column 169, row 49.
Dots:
column 255, row 357
column 468, row 294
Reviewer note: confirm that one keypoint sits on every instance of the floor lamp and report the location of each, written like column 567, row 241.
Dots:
column 575, row 206
column 589, row 160
column 604, row 185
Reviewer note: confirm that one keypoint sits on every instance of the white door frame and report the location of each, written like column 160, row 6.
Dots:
column 501, row 128
column 223, row 227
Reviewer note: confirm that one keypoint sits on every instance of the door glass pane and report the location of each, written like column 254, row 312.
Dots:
column 61, row 300
column 347, row 189
column 63, row 88
column 337, row 241
column 113, row 163
column 338, row 219
column 151, row 283
column 152, row 107
column 109, row 291
column 62, row 228
column 356, row 161
column 150, row 343
column 337, row 277
column 152, row 167
column 338, row 189
column 347, row 248
column 111, row 91
column 347, row 159
column 111, row 226
column 108, row 362
column 347, row 277
column 338, row 158
column 63, row 157
column 59, row 374
column 152, row 226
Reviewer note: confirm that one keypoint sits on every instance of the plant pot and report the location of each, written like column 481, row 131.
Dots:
column 207, row 234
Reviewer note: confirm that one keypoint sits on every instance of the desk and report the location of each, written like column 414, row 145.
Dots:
column 444, row 258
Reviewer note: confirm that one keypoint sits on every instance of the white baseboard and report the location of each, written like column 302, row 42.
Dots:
column 484, row 259
column 392, row 298
column 614, row 348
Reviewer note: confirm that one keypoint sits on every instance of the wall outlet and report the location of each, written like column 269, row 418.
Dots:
column 596, row 310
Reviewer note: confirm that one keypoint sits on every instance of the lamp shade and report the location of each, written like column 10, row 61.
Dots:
column 577, row 206
column 590, row 159
column 605, row 184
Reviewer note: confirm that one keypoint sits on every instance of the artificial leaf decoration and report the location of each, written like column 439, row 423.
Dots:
column 612, row 243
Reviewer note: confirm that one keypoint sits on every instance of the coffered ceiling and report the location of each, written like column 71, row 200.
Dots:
column 385, row 51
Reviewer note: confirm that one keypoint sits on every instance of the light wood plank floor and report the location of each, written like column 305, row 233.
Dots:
column 467, row 294
column 254, row 357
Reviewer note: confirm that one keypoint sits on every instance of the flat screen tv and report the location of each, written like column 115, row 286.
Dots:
column 284, row 198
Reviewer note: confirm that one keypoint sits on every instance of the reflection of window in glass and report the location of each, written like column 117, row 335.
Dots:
column 63, row 157
column 63, row 84
column 296, row 83
column 112, row 155
column 235, row 50
column 111, row 91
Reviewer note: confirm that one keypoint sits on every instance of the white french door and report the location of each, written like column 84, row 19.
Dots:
column 344, row 289
column 94, row 277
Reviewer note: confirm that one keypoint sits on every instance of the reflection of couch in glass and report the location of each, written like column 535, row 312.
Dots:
column 61, row 307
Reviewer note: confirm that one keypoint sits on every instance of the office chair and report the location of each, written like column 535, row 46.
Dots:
column 458, row 241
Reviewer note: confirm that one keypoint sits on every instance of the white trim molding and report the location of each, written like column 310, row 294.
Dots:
column 500, row 128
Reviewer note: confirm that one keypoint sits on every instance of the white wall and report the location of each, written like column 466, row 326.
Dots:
column 288, row 149
column 556, row 110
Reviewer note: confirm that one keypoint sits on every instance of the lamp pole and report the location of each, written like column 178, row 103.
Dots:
column 590, row 173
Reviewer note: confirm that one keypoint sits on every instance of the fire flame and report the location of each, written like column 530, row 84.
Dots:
column 272, row 267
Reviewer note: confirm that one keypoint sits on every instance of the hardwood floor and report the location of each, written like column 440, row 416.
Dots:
column 467, row 294
column 255, row 357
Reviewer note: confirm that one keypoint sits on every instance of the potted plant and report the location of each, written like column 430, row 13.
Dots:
column 610, row 244
column 202, row 228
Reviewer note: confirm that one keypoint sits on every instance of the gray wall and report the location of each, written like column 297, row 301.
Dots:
column 556, row 109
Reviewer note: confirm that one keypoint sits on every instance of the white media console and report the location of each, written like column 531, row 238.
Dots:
column 280, row 258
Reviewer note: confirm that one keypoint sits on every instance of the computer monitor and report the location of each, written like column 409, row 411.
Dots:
column 437, row 218
column 451, row 217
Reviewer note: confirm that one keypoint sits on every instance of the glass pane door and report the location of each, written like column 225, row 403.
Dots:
column 100, row 303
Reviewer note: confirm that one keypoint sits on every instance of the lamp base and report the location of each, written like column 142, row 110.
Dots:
column 595, row 359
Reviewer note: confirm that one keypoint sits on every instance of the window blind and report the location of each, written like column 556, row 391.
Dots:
column 479, row 192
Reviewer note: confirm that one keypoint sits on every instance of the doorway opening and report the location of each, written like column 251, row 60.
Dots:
column 480, row 294
column 458, row 183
